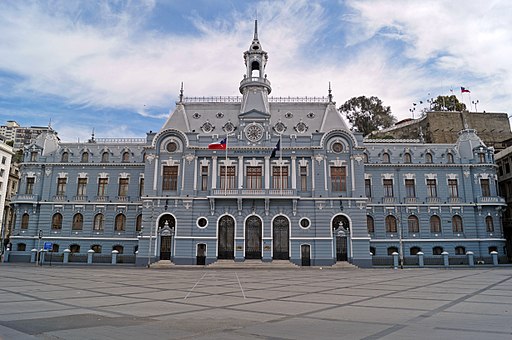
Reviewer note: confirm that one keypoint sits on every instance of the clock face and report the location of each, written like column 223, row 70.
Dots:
column 254, row 132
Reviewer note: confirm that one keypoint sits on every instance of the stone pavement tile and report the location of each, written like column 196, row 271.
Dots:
column 482, row 308
column 426, row 295
column 11, row 297
column 304, row 328
column 231, row 289
column 149, row 309
column 9, row 333
column 228, row 335
column 147, row 331
column 425, row 333
column 368, row 314
column 298, row 289
column 218, row 300
column 491, row 298
column 101, row 301
column 283, row 307
column 498, row 292
column 325, row 298
column 267, row 294
column 62, row 313
column 472, row 322
column 29, row 306
column 166, row 295
column 359, row 292
column 394, row 303
column 223, row 313
column 122, row 289
column 62, row 294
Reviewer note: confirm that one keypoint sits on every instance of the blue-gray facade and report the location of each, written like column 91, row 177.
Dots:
column 258, row 177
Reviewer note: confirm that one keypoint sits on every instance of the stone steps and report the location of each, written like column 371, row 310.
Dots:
column 254, row 264
column 162, row 264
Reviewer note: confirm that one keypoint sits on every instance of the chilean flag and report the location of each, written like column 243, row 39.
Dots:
column 463, row 89
column 220, row 145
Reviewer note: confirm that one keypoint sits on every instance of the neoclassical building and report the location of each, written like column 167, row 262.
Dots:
column 263, row 178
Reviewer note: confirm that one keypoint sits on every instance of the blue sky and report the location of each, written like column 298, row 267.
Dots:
column 116, row 66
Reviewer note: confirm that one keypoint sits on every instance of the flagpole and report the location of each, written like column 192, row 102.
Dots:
column 226, row 168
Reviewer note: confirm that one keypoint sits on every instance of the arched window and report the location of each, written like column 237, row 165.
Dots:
column 85, row 157
column 65, row 157
column 104, row 157
column 437, row 250
column 373, row 251
column 96, row 248
column 407, row 158
column 55, row 248
column 21, row 247
column 414, row 224
column 460, row 250
column 120, row 222
column 489, row 224
column 391, row 224
column 365, row 158
column 428, row 158
column 457, row 224
column 392, row 250
column 435, row 224
column 78, row 222
column 449, row 158
column 75, row 248
column 385, row 158
column 414, row 250
column 99, row 221
column 119, row 248
column 57, row 221
column 25, row 220
column 370, row 224
column 138, row 223
column 126, row 157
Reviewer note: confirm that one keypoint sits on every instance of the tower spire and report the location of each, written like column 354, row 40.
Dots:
column 330, row 93
column 255, row 29
column 181, row 93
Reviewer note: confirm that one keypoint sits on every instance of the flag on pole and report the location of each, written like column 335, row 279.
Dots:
column 276, row 148
column 220, row 145
column 463, row 89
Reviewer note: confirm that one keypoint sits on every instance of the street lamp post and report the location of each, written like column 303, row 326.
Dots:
column 150, row 231
column 39, row 237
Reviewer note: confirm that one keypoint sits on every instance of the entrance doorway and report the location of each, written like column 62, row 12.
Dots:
column 305, row 255
column 226, row 238
column 340, row 231
column 253, row 226
column 201, row 254
column 165, row 247
column 280, row 238
column 166, row 225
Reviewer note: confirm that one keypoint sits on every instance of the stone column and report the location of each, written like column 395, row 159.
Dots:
column 114, row 256
column 395, row 260
column 494, row 255
column 267, row 172
column 240, row 172
column 421, row 262
column 446, row 262
column 214, row 172
column 294, row 172
column 66, row 256
column 90, row 252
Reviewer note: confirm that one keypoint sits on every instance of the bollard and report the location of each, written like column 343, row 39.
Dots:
column 494, row 255
column 33, row 255
column 6, row 255
column 446, row 263
column 471, row 258
column 66, row 256
column 114, row 256
column 395, row 260
column 42, row 254
column 421, row 262
column 90, row 252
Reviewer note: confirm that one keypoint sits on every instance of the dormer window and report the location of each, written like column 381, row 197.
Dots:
column 65, row 157
column 449, row 158
column 255, row 69
column 428, row 158
column 126, row 157
column 385, row 158
column 33, row 156
column 85, row 157
column 407, row 158
column 104, row 157
column 481, row 157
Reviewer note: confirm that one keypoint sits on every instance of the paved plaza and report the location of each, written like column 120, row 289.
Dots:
column 134, row 303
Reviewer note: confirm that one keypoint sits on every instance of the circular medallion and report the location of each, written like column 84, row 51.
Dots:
column 254, row 132
column 228, row 127
column 279, row 128
column 172, row 147
column 207, row 127
column 337, row 147
column 301, row 127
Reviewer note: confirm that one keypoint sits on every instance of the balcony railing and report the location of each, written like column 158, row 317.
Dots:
column 410, row 200
column 254, row 192
column 101, row 198
column 388, row 200
column 123, row 198
column 60, row 198
column 490, row 199
column 454, row 200
column 25, row 197
column 80, row 198
column 433, row 200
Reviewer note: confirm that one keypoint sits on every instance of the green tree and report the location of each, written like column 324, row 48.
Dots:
column 367, row 114
column 447, row 103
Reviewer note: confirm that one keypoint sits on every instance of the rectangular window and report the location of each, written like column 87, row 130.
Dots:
column 280, row 177
column 123, row 187
column 4, row 159
column 81, row 187
column 170, row 178
column 486, row 189
column 253, row 177
column 368, row 187
column 33, row 156
column 507, row 167
column 61, row 186
column 102, row 186
column 141, row 186
column 388, row 187
column 227, row 177
column 204, row 178
column 30, row 185
column 410, row 188
column 338, row 178
column 453, row 189
column 304, row 178
column 2, row 172
column 431, row 188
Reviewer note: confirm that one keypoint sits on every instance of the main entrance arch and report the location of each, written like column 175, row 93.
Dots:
column 341, row 231
column 166, row 227
column 280, row 238
column 226, row 238
column 253, row 237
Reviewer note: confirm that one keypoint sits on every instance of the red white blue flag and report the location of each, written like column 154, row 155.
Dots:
column 463, row 89
column 220, row 145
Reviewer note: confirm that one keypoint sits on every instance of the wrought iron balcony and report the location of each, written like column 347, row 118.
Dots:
column 123, row 198
column 433, row 200
column 490, row 199
column 60, row 198
column 388, row 200
column 254, row 192
column 25, row 197
column 410, row 200
column 80, row 198
column 101, row 198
